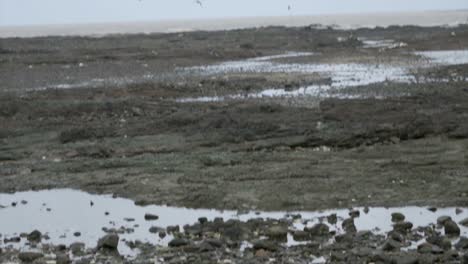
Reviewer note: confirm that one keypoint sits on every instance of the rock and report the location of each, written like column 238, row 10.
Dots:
column 337, row 256
column 465, row 259
column 29, row 256
column 354, row 213
column 366, row 210
column 395, row 235
column 277, row 232
column 173, row 229
column 151, row 217
column 318, row 230
column 432, row 209
column 464, row 222
column 403, row 227
column 261, row 253
column 301, row 235
column 77, row 248
column 34, row 236
column 440, row 241
column 62, row 259
column 162, row 234
column 451, row 228
column 155, row 229
column 178, row 242
column 77, row 234
column 462, row 243
column 459, row 211
column 110, row 241
column 348, row 225
column 12, row 240
column 214, row 242
column 205, row 247
column 398, row 217
column 391, row 245
column 265, row 245
column 332, row 219
column 442, row 219
column 427, row 248
column 202, row 220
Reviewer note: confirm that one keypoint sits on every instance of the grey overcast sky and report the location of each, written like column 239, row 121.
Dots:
column 37, row 12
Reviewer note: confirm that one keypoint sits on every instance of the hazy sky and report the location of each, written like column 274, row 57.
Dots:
column 25, row 12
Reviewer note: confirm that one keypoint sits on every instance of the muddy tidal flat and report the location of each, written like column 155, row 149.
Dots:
column 271, row 145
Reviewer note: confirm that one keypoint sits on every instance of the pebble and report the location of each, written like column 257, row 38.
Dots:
column 151, row 217
column 110, row 241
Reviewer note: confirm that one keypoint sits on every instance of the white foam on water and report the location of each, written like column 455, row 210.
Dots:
column 59, row 213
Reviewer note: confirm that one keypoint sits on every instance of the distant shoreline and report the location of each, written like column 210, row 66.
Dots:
column 345, row 21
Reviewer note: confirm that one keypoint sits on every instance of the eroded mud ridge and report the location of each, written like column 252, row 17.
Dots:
column 271, row 119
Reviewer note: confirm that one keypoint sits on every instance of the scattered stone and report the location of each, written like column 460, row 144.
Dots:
column 348, row 225
column 29, row 256
column 77, row 234
column 13, row 204
column 173, row 229
column 151, row 217
column 318, row 230
column 301, row 235
column 178, row 242
column 332, row 219
column 77, row 248
column 398, row 217
column 162, row 234
column 277, row 232
column 110, row 241
column 432, row 209
column 464, row 222
column 462, row 243
column 62, row 259
column 440, row 241
column 202, row 220
column 354, row 213
column 265, row 245
column 155, row 229
column 34, row 236
column 106, row 213
column 451, row 228
column 427, row 248
column 261, row 253
column 403, row 227
column 129, row 219
column 24, row 202
column 366, row 210
column 458, row 211
column 442, row 219
column 391, row 245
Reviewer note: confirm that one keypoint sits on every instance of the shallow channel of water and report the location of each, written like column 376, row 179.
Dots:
column 62, row 212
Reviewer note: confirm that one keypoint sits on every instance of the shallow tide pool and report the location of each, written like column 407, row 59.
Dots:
column 61, row 213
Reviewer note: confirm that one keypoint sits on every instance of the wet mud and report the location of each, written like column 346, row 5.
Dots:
column 141, row 117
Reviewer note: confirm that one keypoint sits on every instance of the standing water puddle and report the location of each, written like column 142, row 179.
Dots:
column 342, row 75
column 61, row 213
